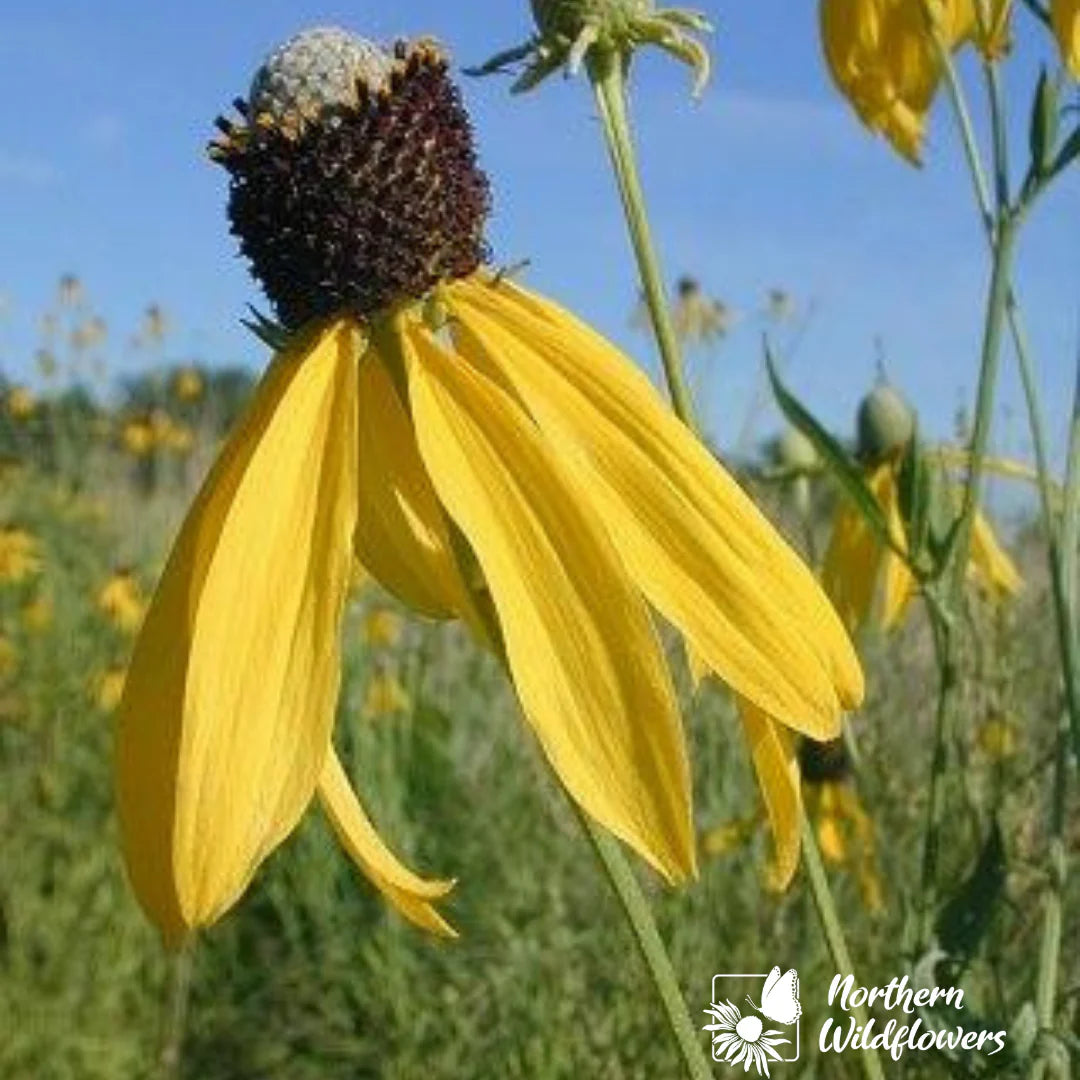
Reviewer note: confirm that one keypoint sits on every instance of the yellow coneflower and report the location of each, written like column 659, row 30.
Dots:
column 382, row 628
column 108, row 688
column 883, row 58
column 121, row 600
column 188, row 384
column 857, row 564
column 20, row 403
column 997, row 736
column 729, row 836
column 423, row 414
column 1065, row 19
column 174, row 436
column 37, row 613
column 385, row 695
column 138, row 436
column 845, row 833
column 19, row 557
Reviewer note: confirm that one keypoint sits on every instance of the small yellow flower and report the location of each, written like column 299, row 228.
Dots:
column 997, row 737
column 46, row 363
column 385, row 696
column 121, row 601
column 20, row 403
column 19, row 558
column 728, row 836
column 108, row 688
column 174, row 436
column 138, row 437
column 188, row 385
column 422, row 412
column 382, row 628
column 1065, row 18
column 37, row 613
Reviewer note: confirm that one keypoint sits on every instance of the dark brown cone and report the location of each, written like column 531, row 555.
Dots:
column 358, row 208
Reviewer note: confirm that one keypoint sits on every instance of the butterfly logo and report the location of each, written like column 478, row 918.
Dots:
column 746, row 1041
column 780, row 997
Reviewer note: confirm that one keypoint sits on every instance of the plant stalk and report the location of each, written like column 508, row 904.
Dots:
column 606, row 73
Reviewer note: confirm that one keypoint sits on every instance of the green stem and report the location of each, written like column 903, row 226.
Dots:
column 172, row 1042
column 1061, row 545
column 1065, row 586
column 606, row 74
column 651, row 946
column 996, row 305
column 834, row 934
column 606, row 71
column 941, row 627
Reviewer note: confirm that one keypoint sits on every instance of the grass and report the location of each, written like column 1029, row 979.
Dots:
column 313, row 977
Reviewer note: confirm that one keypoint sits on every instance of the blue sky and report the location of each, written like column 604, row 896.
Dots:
column 769, row 181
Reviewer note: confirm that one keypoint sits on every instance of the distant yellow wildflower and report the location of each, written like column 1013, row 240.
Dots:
column 121, row 601
column 997, row 736
column 845, row 833
column 19, row 558
column 385, row 695
column 188, row 385
column 382, row 628
column 856, row 563
column 37, row 613
column 138, row 436
column 423, row 413
column 108, row 688
column 20, row 403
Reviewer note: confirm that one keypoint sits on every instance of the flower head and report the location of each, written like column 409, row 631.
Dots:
column 884, row 56
column 845, row 833
column 19, row 558
column 121, row 600
column 570, row 31
column 484, row 456
column 20, row 403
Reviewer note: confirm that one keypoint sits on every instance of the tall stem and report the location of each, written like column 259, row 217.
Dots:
column 650, row 945
column 609, row 84
column 941, row 628
column 606, row 71
column 834, row 934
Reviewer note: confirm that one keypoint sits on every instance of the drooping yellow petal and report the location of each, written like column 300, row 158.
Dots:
column 579, row 642
column 402, row 537
column 777, row 767
column 850, row 568
column 229, row 701
column 990, row 563
column 1065, row 19
column 693, row 541
column 899, row 586
column 409, row 893
column 882, row 56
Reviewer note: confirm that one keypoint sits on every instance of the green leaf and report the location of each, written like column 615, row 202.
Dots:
column 1043, row 125
column 836, row 459
column 964, row 920
column 1067, row 154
